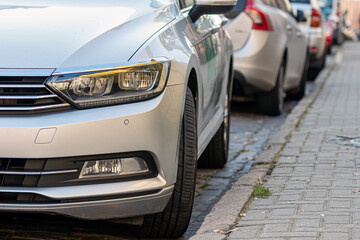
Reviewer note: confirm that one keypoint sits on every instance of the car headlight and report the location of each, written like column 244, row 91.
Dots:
column 118, row 85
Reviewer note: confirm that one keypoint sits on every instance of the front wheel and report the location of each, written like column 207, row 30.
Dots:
column 174, row 219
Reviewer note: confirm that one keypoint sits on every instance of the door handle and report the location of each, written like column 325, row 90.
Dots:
column 289, row 28
column 215, row 29
column 224, row 20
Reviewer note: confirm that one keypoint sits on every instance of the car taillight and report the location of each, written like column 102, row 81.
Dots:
column 261, row 20
column 315, row 18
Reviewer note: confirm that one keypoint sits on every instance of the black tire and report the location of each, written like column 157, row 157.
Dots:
column 271, row 103
column 216, row 153
column 315, row 70
column 323, row 61
column 329, row 50
column 174, row 219
column 299, row 92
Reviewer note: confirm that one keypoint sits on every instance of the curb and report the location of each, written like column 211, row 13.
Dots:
column 226, row 211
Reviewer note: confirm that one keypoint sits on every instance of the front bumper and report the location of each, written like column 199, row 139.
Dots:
column 117, row 207
column 152, row 126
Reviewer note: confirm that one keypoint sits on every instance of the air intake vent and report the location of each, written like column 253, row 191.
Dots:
column 27, row 94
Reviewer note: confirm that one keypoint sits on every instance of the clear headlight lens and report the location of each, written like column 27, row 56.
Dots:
column 108, row 87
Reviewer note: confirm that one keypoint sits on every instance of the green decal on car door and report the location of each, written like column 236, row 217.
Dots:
column 210, row 58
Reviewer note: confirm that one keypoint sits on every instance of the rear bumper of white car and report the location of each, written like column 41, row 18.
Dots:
column 150, row 128
column 258, row 61
column 317, row 46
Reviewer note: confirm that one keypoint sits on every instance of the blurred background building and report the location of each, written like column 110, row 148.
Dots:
column 353, row 9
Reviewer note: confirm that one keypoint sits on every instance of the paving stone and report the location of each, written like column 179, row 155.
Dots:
column 339, row 204
column 276, row 228
column 320, row 183
column 334, row 236
column 255, row 215
column 303, row 169
column 288, row 234
column 264, row 202
column 311, row 223
column 342, row 183
column 245, row 233
column 315, row 194
column 208, row 236
column 291, row 152
column 283, row 212
column 282, row 170
column 287, row 160
column 337, row 219
column 312, row 207
column 292, row 197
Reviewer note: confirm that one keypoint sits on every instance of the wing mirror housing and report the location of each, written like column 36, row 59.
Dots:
column 300, row 16
column 202, row 7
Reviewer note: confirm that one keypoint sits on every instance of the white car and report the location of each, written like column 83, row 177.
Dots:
column 270, row 53
column 314, row 29
column 105, row 107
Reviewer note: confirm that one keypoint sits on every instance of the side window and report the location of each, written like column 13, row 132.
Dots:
column 271, row 3
column 288, row 7
column 186, row 3
column 285, row 6
column 281, row 4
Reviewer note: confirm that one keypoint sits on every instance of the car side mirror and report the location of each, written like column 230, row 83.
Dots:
column 300, row 16
column 202, row 7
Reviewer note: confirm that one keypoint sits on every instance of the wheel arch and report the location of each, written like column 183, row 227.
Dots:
column 193, row 85
column 285, row 58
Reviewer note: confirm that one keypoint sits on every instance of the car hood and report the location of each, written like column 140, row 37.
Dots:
column 64, row 33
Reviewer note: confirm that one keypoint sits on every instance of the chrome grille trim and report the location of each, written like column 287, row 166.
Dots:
column 34, row 108
column 27, row 96
column 29, row 93
column 21, row 85
column 38, row 172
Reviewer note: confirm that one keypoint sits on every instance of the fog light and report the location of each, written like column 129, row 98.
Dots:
column 114, row 167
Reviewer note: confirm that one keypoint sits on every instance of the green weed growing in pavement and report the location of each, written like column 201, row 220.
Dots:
column 261, row 191
column 197, row 194
column 205, row 185
column 241, row 151
column 205, row 177
column 272, row 165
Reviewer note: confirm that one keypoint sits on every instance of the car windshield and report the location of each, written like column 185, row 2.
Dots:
column 325, row 3
column 300, row 1
column 325, row 6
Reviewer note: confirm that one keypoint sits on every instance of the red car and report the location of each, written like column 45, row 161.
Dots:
column 329, row 35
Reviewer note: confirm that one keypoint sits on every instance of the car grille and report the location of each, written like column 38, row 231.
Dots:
column 27, row 94
column 10, row 197
column 19, row 172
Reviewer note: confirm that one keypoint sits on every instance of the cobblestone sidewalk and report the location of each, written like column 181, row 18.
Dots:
column 316, row 185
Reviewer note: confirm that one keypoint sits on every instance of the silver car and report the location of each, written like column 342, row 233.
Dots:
column 314, row 29
column 107, row 105
column 270, row 53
